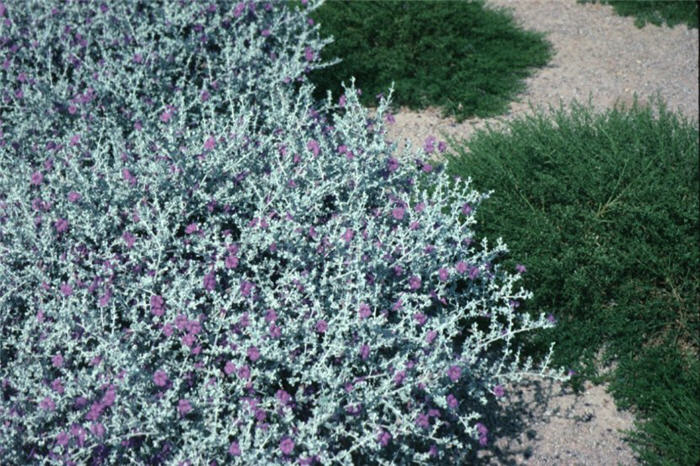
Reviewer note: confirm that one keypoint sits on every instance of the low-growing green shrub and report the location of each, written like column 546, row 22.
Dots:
column 655, row 12
column 468, row 59
column 201, row 264
column 603, row 209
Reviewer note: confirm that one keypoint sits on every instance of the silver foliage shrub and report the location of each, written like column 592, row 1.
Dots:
column 202, row 265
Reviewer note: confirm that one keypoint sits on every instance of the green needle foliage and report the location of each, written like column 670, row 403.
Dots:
column 458, row 55
column 603, row 211
column 655, row 12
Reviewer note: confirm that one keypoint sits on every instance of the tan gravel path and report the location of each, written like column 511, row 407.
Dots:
column 600, row 55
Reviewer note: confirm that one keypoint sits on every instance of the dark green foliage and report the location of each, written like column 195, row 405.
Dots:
column 655, row 12
column 603, row 211
column 671, row 405
column 458, row 55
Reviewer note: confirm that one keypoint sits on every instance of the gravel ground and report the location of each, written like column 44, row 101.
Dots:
column 600, row 55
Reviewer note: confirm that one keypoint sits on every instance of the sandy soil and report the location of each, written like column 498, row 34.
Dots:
column 605, row 57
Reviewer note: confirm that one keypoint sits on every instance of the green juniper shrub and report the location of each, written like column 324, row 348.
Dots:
column 459, row 55
column 603, row 211
column 669, row 404
column 656, row 12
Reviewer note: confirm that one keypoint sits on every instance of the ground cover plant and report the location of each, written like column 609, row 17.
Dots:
column 603, row 210
column 656, row 12
column 201, row 264
column 459, row 55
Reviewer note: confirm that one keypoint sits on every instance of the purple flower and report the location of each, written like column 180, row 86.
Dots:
column 167, row 330
column 399, row 377
column 466, row 209
column 183, row 407
column 313, row 146
column 384, row 438
column 274, row 331
column 229, row 368
column 37, row 178
column 165, row 116
column 231, row 261
column 390, row 118
column 193, row 327
column 483, row 432
column 342, row 101
column 238, row 10
column 473, row 273
column 347, row 236
column 61, row 225
column 419, row 207
column 286, row 445
column 47, row 404
column 157, row 305
column 430, row 336
column 234, row 449
column 364, row 352
column 364, row 311
column 423, row 421
column 79, row 433
column 442, row 146
column 428, row 146
column 126, row 174
column 57, row 360
column 454, row 372
column 520, row 268
column 392, row 164
column 62, row 438
column 191, row 228
column 246, row 287
column 66, row 289
column 420, row 318
column 128, row 239
column 461, row 267
column 210, row 281
column 321, row 326
column 551, row 318
column 270, row 315
column 443, row 274
column 397, row 213
column 160, row 378
column 308, row 54
column 498, row 391
column 109, row 396
column 73, row 196
column 244, row 372
column 452, row 401
column 253, row 353
column 244, row 320
column 283, row 397
column 188, row 340
column 57, row 386
column 97, row 429
column 414, row 282
column 209, row 143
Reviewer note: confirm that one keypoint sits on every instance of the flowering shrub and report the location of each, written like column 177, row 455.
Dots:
column 203, row 265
